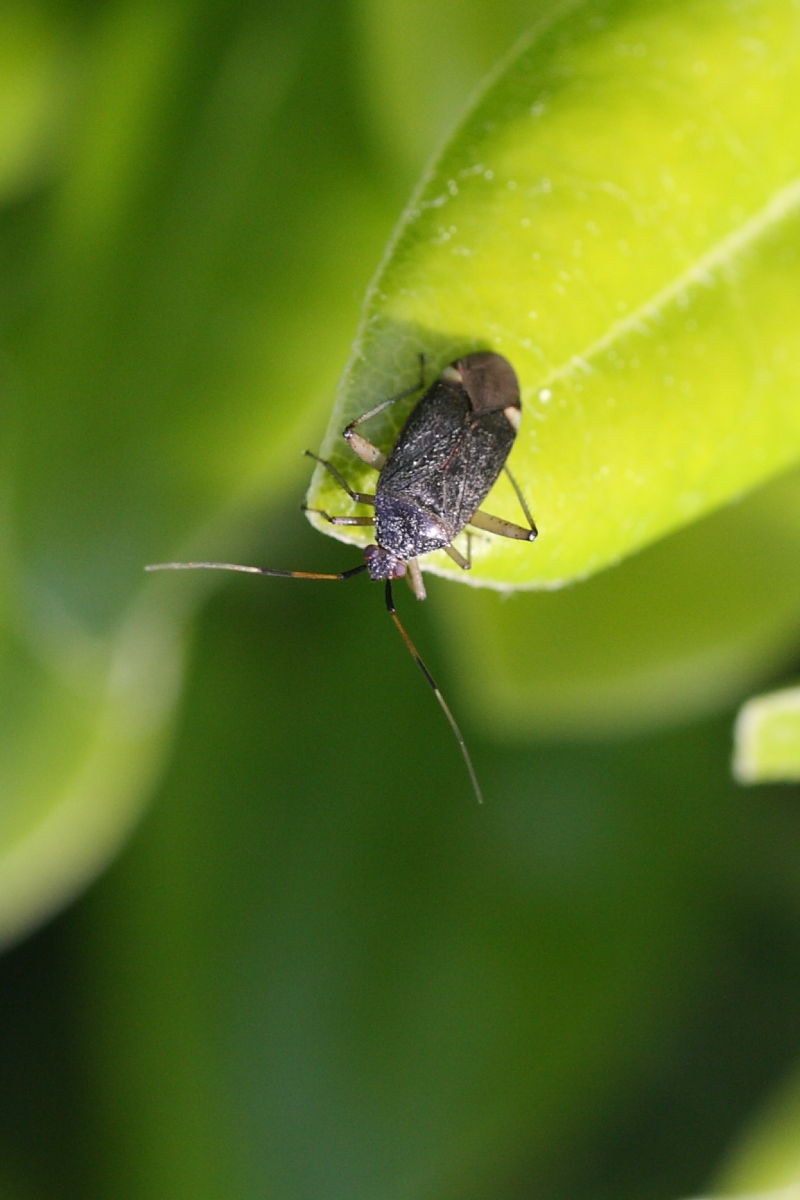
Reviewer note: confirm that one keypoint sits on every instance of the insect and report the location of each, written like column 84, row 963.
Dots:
column 444, row 462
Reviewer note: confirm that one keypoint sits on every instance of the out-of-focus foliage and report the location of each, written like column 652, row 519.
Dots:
column 768, row 738
column 154, row 382
column 769, row 1153
column 318, row 969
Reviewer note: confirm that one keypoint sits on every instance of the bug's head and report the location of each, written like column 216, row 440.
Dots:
column 382, row 564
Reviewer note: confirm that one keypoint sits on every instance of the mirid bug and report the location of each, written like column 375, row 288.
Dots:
column 444, row 462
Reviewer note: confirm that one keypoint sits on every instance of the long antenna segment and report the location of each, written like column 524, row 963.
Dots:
column 476, row 787
column 212, row 566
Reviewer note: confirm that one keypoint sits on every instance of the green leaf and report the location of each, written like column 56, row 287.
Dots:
column 619, row 215
column 767, row 738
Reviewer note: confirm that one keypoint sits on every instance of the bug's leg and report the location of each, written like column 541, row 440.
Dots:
column 365, row 450
column 222, row 566
column 458, row 558
column 359, row 497
column 415, row 581
column 462, row 745
column 503, row 528
column 522, row 503
column 339, row 520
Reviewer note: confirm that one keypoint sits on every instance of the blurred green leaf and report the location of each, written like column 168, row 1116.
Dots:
column 170, row 338
column 784, row 1193
column 85, row 721
column 419, row 60
column 767, row 738
column 29, row 93
column 389, row 990
column 618, row 215
column 767, row 1156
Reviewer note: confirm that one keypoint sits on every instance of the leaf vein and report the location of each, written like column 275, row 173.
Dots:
column 702, row 273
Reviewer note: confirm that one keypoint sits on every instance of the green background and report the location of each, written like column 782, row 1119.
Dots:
column 318, row 969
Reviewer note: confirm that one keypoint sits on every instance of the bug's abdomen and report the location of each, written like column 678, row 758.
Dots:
column 446, row 459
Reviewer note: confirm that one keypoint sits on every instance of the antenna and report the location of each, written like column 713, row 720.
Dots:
column 211, row 566
column 437, row 693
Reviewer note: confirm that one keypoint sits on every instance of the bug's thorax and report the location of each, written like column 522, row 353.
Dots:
column 406, row 528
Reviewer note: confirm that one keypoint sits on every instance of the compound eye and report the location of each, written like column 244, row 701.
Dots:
column 382, row 564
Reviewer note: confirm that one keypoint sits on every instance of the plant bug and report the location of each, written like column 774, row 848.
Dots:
column 442, row 466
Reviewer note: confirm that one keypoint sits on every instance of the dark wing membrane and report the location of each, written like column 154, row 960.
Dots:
column 489, row 380
column 447, row 456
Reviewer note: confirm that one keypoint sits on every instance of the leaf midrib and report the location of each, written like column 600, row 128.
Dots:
column 782, row 205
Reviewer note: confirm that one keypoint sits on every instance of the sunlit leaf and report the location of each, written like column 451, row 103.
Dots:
column 619, row 215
